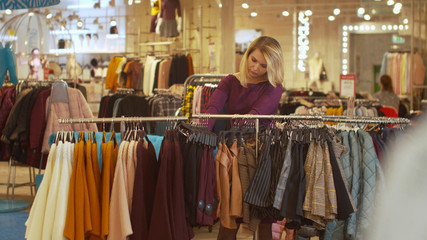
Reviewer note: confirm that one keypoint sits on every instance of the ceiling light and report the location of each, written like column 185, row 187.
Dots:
column 389, row 27
column 390, row 2
column 30, row 14
column 113, row 22
column 406, row 27
column 8, row 11
column 396, row 10
column 367, row 17
column 360, row 11
column 373, row 27
column 254, row 14
column 398, row 5
column 345, row 45
column 401, row 27
column 245, row 5
column 337, row 11
column 137, row 1
column 130, row 2
column 350, row 28
column 345, row 34
column 308, row 13
column 220, row 5
column 395, row 27
column 48, row 14
column 384, row 27
column 344, row 28
column 344, row 61
column 373, row 11
column 331, row 18
column 356, row 28
column 405, row 21
column 285, row 13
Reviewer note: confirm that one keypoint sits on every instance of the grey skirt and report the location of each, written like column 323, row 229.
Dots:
column 167, row 28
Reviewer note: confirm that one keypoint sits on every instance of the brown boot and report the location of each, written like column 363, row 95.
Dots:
column 226, row 233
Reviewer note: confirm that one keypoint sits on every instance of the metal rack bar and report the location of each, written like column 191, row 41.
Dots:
column 208, row 78
column 324, row 118
column 120, row 119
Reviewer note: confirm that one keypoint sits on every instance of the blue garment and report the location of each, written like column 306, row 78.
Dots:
column 7, row 62
column 369, row 168
column 365, row 177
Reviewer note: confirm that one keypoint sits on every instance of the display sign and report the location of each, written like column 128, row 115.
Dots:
column 348, row 85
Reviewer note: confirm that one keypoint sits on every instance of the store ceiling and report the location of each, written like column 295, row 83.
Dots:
column 320, row 8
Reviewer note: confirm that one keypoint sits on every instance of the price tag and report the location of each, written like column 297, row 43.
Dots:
column 348, row 85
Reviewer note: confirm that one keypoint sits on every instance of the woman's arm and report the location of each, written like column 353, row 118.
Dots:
column 218, row 99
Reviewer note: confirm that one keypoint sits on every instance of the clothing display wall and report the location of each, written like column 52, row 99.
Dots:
column 156, row 72
column 397, row 66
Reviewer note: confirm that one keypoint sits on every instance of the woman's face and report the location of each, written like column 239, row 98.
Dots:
column 257, row 65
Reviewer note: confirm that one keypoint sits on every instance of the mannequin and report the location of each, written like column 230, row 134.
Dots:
column 168, row 25
column 35, row 63
column 315, row 63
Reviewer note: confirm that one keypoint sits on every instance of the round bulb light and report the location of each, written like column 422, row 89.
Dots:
column 331, row 18
column 337, row 11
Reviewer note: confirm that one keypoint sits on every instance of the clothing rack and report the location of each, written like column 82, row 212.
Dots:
column 326, row 118
column 125, row 90
column 204, row 78
column 323, row 100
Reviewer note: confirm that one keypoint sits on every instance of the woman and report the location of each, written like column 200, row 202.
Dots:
column 386, row 96
column 256, row 89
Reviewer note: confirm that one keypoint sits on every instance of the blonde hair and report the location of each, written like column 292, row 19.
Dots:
column 272, row 52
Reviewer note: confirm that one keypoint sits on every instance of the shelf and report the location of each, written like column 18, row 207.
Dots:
column 155, row 44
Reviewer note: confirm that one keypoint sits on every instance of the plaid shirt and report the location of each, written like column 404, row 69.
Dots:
column 320, row 203
column 166, row 105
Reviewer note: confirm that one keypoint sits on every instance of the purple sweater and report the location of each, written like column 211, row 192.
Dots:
column 261, row 98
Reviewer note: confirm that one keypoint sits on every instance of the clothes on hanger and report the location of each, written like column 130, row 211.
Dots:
column 7, row 63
